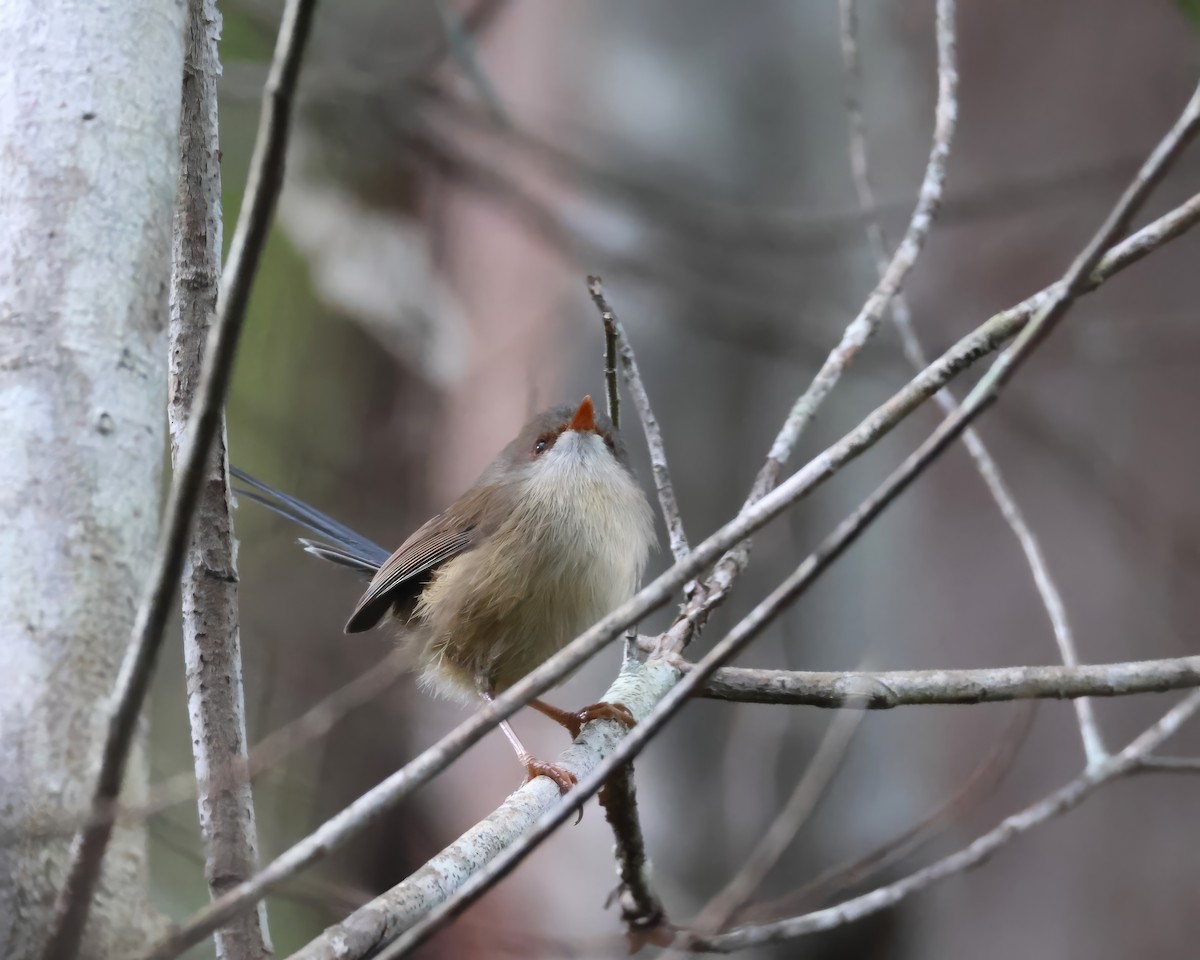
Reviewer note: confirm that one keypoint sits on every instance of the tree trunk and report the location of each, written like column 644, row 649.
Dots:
column 89, row 112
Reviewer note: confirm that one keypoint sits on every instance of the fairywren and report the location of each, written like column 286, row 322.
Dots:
column 553, row 535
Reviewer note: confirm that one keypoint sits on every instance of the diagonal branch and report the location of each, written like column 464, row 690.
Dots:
column 363, row 812
column 1123, row 764
column 133, row 682
column 989, row 772
column 855, row 336
column 809, row 790
column 378, row 923
column 833, row 546
column 654, row 439
column 902, row 317
column 863, row 326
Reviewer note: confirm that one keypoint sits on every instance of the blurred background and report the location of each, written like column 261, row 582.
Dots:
column 458, row 168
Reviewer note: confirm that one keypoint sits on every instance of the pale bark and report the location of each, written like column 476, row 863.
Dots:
column 89, row 109
column 209, row 593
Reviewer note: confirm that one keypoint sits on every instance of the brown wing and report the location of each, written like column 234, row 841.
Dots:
column 403, row 575
column 463, row 524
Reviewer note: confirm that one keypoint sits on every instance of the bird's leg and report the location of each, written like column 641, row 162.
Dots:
column 534, row 767
column 575, row 720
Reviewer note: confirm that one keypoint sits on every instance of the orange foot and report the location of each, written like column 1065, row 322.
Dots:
column 563, row 777
column 574, row 722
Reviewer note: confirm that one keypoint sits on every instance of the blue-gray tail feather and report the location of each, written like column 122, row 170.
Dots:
column 338, row 544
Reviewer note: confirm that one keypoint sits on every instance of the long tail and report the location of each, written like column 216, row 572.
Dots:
column 339, row 544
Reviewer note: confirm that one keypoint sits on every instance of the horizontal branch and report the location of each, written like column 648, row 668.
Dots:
column 897, row 688
column 340, row 828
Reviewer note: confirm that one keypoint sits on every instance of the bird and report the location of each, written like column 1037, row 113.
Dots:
column 555, row 533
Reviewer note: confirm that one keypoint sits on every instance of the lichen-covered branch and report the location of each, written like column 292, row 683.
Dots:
column 364, row 932
column 339, row 829
column 843, row 536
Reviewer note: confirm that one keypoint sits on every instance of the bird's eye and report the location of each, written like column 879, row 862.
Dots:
column 542, row 444
column 539, row 447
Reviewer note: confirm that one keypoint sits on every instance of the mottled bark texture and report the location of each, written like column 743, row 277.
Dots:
column 211, row 641
column 89, row 110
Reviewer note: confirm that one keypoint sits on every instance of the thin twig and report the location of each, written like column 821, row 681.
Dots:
column 641, row 908
column 980, row 783
column 1065, row 798
column 265, row 180
column 209, row 591
column 1171, row 764
column 311, row 726
column 809, row 790
column 885, row 690
column 854, row 337
column 1089, row 729
column 830, row 549
column 363, row 812
column 611, row 384
column 654, row 439
column 460, row 44
column 867, row 322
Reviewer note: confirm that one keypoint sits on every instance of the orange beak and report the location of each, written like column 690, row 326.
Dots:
column 585, row 417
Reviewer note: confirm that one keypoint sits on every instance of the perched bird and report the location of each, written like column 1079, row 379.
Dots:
column 553, row 535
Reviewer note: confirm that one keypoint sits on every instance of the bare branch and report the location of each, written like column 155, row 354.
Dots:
column 867, row 322
column 809, row 789
column 654, row 439
column 885, row 690
column 311, row 726
column 1076, row 279
column 1171, row 764
column 1051, row 599
column 364, row 811
column 461, row 47
column 978, row 784
column 364, row 932
column 830, row 549
column 611, row 384
column 640, row 907
column 641, row 910
column 211, row 642
column 266, row 178
column 1057, row 803
column 855, row 336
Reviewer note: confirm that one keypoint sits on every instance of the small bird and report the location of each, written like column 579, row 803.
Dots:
column 553, row 535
